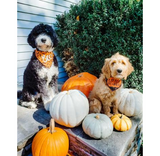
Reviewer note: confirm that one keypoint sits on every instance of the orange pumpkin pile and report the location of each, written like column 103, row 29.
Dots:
column 53, row 141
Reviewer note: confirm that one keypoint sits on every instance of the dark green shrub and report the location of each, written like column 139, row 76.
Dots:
column 104, row 28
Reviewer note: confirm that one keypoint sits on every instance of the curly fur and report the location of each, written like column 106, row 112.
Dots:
column 102, row 98
column 39, row 82
column 39, row 29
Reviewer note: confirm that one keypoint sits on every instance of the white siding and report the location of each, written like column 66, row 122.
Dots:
column 29, row 14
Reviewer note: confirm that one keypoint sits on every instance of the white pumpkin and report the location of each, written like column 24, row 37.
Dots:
column 97, row 125
column 69, row 108
column 130, row 102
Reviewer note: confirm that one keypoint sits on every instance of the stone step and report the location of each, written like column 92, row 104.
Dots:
column 30, row 121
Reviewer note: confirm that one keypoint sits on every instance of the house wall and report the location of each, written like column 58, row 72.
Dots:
column 29, row 14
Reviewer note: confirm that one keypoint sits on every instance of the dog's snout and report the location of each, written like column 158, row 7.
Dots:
column 43, row 40
column 119, row 70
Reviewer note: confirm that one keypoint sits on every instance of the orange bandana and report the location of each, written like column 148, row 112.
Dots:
column 46, row 58
column 113, row 83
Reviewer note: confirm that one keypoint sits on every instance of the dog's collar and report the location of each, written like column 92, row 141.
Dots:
column 113, row 83
column 46, row 58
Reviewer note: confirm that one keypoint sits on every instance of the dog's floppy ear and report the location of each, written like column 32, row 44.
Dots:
column 106, row 68
column 31, row 40
column 52, row 33
column 130, row 69
column 55, row 42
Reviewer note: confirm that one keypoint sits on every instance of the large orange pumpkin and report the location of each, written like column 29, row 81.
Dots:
column 50, row 141
column 83, row 82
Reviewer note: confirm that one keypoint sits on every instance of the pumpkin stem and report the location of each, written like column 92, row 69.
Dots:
column 51, row 126
column 121, row 116
column 97, row 117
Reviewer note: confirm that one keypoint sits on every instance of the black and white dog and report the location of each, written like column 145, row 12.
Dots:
column 40, row 76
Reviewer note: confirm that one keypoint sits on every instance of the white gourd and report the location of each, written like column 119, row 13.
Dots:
column 69, row 108
column 97, row 125
column 130, row 102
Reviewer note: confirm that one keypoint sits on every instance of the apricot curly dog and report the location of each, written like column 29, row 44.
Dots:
column 104, row 94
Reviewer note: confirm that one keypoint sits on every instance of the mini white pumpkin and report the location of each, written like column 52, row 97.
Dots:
column 130, row 102
column 98, row 126
column 69, row 108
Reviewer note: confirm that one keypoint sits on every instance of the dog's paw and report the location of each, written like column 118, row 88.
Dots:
column 94, row 109
column 109, row 115
column 95, row 106
column 30, row 105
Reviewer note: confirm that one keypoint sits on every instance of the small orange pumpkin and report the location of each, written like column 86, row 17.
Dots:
column 121, row 122
column 83, row 82
column 50, row 141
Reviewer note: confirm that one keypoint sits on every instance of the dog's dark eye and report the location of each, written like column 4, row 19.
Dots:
column 113, row 63
column 123, row 63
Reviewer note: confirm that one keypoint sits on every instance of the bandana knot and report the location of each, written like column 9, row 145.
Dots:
column 46, row 58
column 113, row 83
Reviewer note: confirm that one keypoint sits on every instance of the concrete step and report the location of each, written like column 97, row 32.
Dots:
column 30, row 121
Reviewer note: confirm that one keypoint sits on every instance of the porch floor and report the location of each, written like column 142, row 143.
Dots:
column 30, row 121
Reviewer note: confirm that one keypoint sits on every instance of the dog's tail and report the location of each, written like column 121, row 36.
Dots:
column 19, row 94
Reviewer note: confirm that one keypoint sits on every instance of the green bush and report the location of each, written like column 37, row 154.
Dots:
column 104, row 27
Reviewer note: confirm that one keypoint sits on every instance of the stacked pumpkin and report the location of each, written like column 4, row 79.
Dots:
column 71, row 105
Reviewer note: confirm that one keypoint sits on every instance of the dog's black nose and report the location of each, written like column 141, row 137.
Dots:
column 43, row 40
column 119, row 70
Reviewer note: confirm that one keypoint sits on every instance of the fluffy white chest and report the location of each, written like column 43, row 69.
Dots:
column 48, row 73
